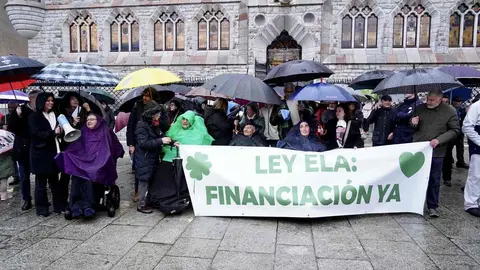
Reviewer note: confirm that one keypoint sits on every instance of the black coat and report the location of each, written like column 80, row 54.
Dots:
column 147, row 150
column 354, row 139
column 19, row 126
column 218, row 126
column 383, row 125
column 402, row 131
column 242, row 140
column 43, row 148
column 136, row 116
column 109, row 117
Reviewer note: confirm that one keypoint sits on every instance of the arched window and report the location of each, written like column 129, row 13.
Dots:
column 169, row 33
column 83, row 35
column 213, row 32
column 411, row 28
column 464, row 23
column 359, row 28
column 124, row 34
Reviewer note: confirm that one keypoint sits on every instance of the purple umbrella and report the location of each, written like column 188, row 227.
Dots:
column 323, row 92
column 466, row 75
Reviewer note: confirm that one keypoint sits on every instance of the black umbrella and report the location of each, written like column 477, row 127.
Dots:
column 15, row 72
column 416, row 80
column 129, row 98
column 82, row 97
column 176, row 88
column 370, row 79
column 297, row 71
column 466, row 75
column 243, row 86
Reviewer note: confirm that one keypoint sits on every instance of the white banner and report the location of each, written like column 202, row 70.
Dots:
column 258, row 181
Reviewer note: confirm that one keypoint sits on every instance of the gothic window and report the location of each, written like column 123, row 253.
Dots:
column 213, row 31
column 359, row 28
column 125, row 34
column 83, row 35
column 411, row 27
column 465, row 26
column 169, row 33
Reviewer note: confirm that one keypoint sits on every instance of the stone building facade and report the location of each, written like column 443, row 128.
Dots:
column 350, row 36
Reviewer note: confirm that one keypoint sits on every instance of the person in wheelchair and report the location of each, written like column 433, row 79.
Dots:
column 92, row 162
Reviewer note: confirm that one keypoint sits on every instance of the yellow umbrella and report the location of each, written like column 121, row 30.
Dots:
column 146, row 77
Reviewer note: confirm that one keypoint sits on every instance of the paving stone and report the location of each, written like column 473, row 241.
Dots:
column 410, row 218
column 82, row 229
column 431, row 240
column 183, row 263
column 250, row 235
column 7, row 253
column 3, row 238
column 80, row 261
column 458, row 229
column 396, row 255
column 294, row 233
column 471, row 247
column 28, row 237
column 20, row 223
column 142, row 256
column 453, row 262
column 242, row 261
column 133, row 217
column 194, row 247
column 336, row 239
column 113, row 240
column 167, row 231
column 387, row 232
column 333, row 264
column 295, row 257
column 207, row 227
column 41, row 254
column 376, row 219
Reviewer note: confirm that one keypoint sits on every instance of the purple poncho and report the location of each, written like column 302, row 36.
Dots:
column 94, row 155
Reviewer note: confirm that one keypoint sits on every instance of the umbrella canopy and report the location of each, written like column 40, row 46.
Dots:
column 465, row 75
column 370, row 79
column 358, row 95
column 121, row 121
column 464, row 93
column 74, row 73
column 82, row 97
column 129, row 98
column 13, row 96
column 243, row 86
column 176, row 88
column 323, row 92
column 15, row 72
column 416, row 80
column 297, row 70
column 147, row 77
column 206, row 94
column 101, row 95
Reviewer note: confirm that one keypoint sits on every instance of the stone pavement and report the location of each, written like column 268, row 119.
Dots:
column 132, row 240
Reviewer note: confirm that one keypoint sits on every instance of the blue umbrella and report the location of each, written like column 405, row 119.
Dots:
column 464, row 93
column 323, row 92
column 13, row 96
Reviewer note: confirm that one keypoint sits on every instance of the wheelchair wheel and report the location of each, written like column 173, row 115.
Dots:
column 115, row 196
column 68, row 214
column 111, row 211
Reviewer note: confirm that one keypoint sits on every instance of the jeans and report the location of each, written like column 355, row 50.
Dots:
column 433, row 189
column 142, row 193
column 41, row 197
column 81, row 195
column 24, row 173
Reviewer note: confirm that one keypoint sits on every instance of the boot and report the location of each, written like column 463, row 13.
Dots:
column 27, row 205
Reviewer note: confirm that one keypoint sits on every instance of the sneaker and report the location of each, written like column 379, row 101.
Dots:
column 135, row 197
column 433, row 213
column 447, row 183
column 89, row 212
column 474, row 212
column 5, row 196
column 144, row 209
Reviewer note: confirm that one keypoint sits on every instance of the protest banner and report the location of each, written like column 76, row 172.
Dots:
column 272, row 182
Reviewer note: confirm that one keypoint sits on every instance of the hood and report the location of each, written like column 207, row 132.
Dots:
column 190, row 116
column 42, row 99
column 151, row 109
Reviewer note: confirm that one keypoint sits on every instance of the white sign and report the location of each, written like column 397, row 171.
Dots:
column 259, row 181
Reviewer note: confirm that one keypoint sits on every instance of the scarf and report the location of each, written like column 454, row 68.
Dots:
column 53, row 123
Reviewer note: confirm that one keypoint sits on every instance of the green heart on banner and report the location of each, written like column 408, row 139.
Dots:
column 410, row 163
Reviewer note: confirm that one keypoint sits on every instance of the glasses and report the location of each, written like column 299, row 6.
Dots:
column 91, row 119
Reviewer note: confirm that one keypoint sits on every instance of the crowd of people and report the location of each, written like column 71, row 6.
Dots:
column 155, row 128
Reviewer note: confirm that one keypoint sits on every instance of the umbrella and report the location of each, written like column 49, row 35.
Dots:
column 323, row 92
column 13, row 96
column 297, row 70
column 243, row 86
column 82, row 97
column 101, row 95
column 121, row 121
column 416, row 80
column 129, row 98
column 370, row 79
column 464, row 93
column 15, row 72
column 176, row 88
column 206, row 94
column 465, row 75
column 358, row 95
column 147, row 77
column 74, row 73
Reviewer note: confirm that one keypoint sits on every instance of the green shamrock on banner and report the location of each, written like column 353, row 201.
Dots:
column 198, row 165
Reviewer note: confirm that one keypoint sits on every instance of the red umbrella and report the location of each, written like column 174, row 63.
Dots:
column 121, row 121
